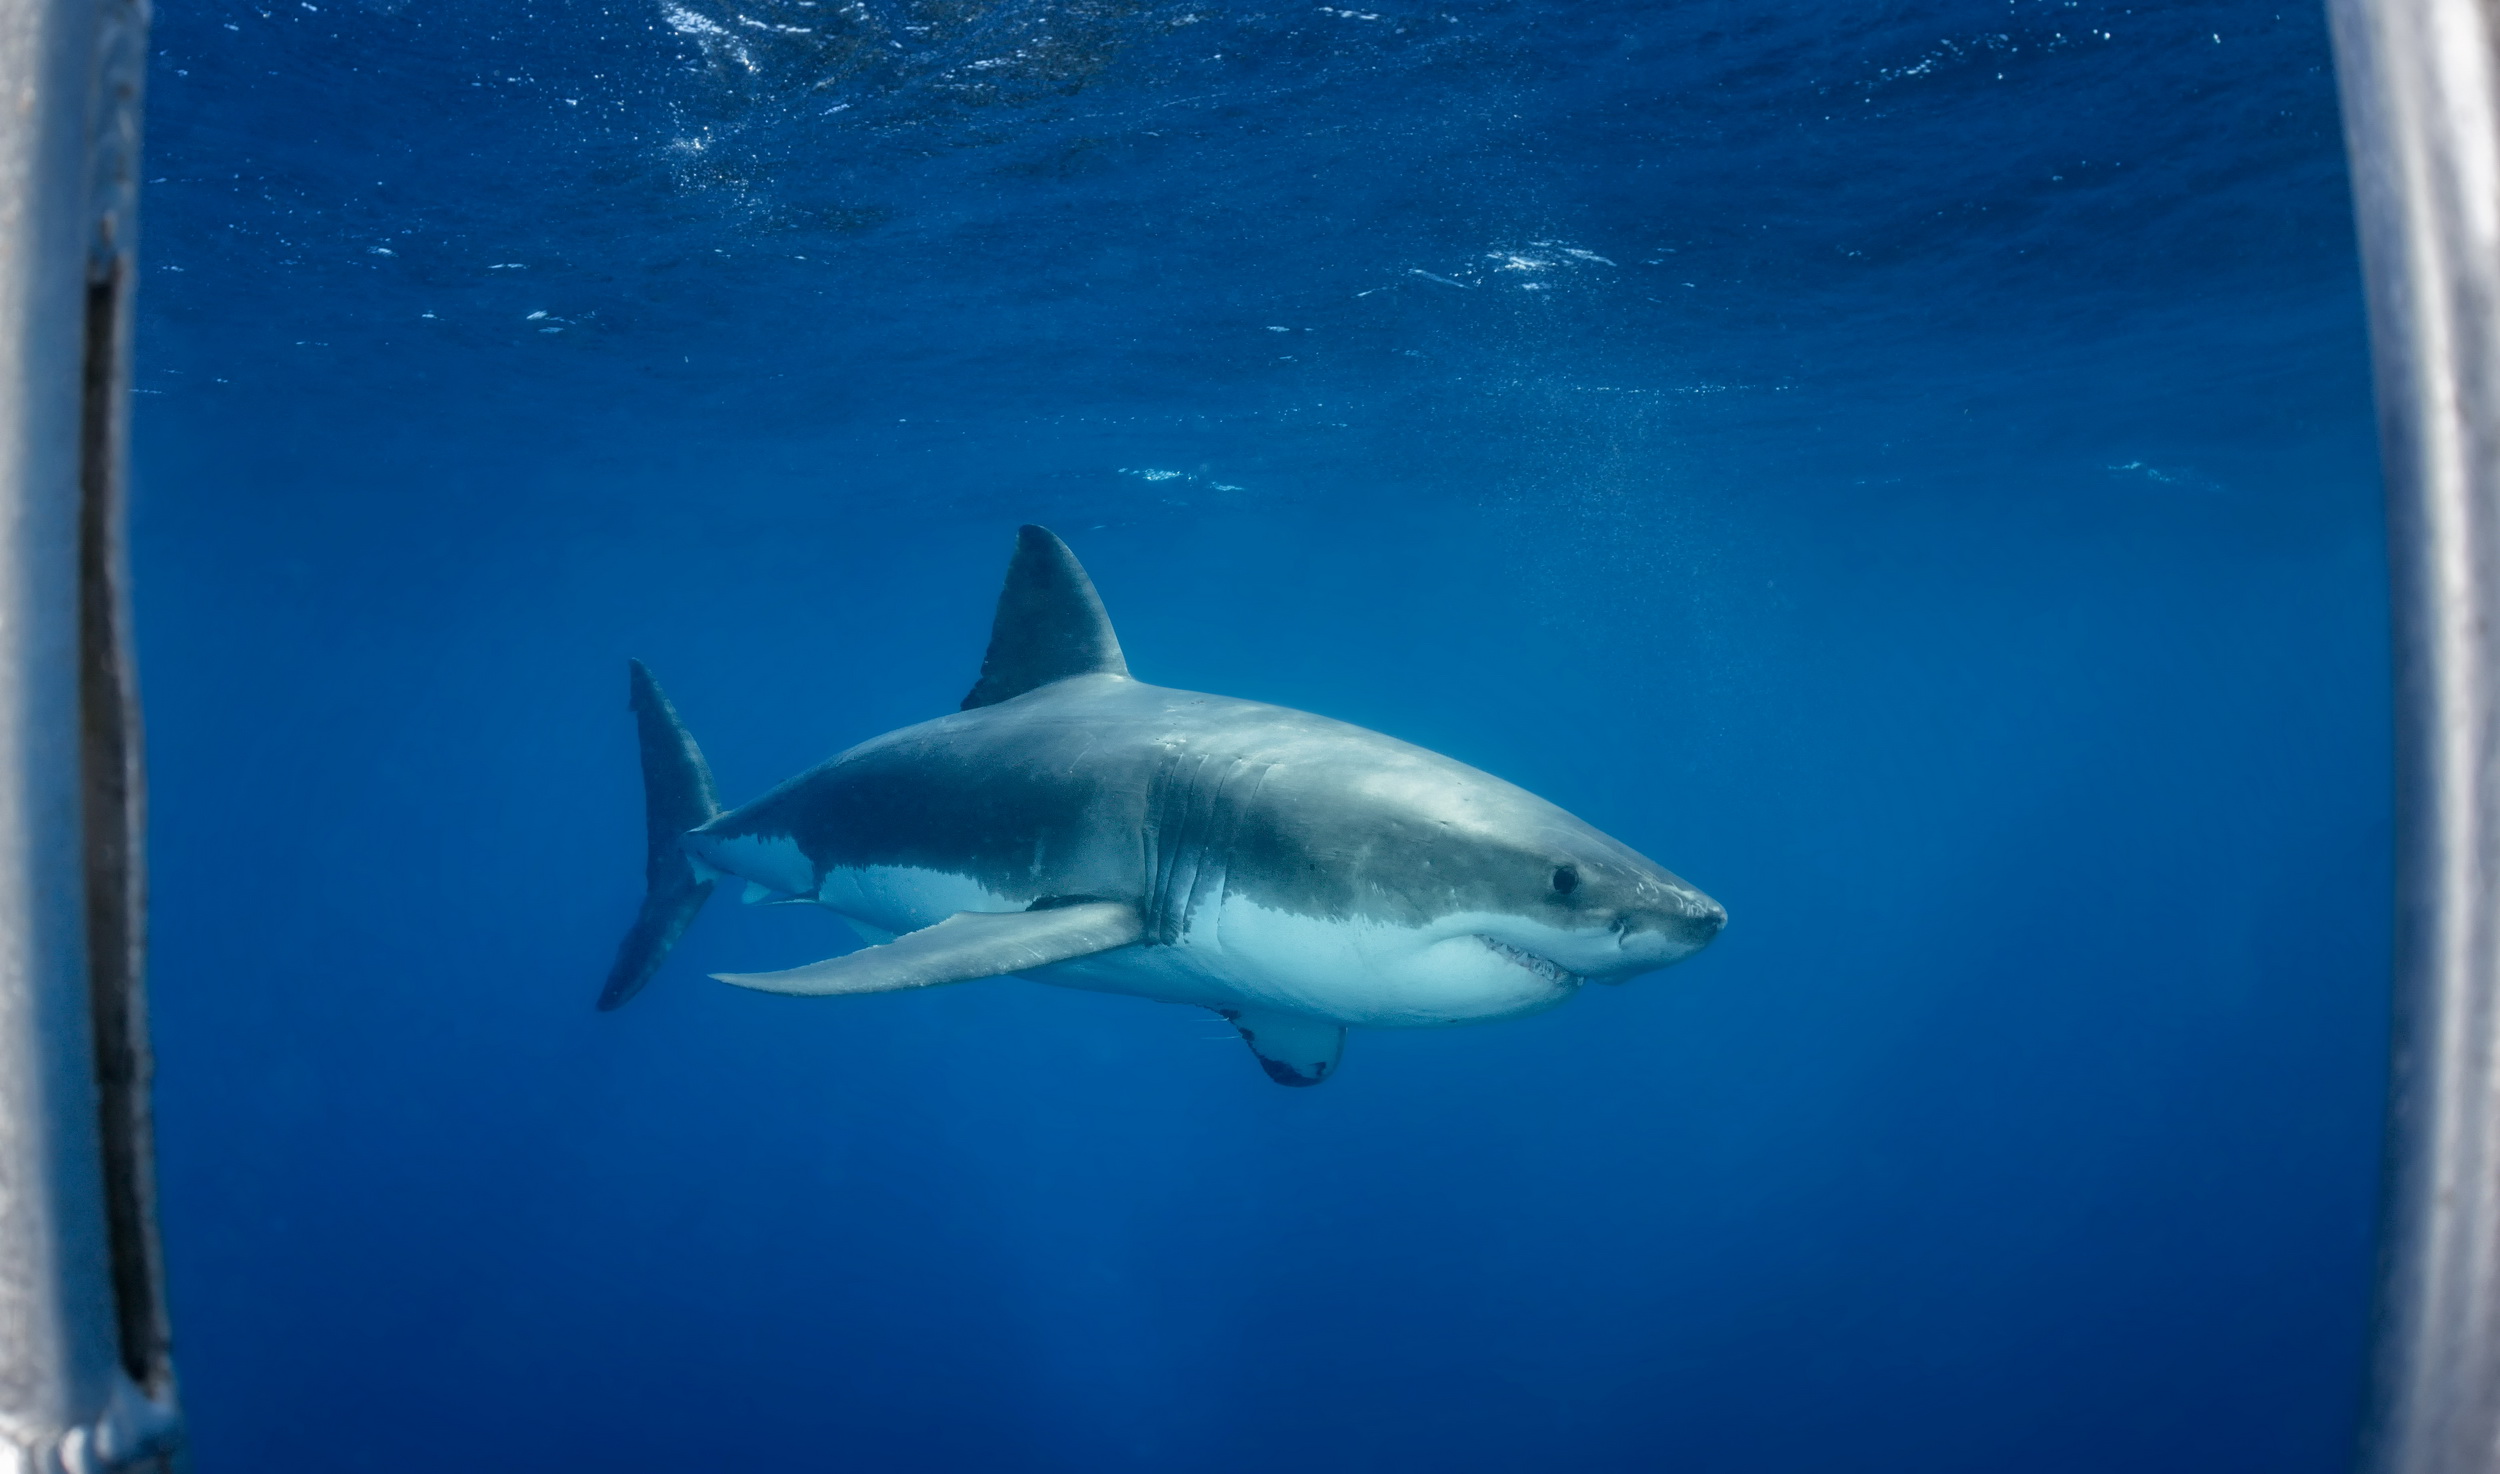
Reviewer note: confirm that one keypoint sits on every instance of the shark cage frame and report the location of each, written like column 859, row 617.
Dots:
column 86, row 1374
column 2421, row 92
column 86, row 1378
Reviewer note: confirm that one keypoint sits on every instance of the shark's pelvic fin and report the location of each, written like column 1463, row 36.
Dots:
column 1050, row 624
column 965, row 946
column 1294, row 1050
column 677, row 796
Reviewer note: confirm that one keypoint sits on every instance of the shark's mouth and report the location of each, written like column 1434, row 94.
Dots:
column 1552, row 972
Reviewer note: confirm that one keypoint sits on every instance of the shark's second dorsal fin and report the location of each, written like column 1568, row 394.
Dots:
column 1050, row 624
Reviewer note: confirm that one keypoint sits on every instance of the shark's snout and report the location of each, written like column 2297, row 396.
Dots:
column 1666, row 932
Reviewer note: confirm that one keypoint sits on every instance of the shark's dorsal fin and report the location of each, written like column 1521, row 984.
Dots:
column 1050, row 624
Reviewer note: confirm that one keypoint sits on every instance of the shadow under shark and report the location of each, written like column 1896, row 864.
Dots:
column 1072, row 824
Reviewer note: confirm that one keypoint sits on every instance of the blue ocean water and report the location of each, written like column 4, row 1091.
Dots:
column 1906, row 466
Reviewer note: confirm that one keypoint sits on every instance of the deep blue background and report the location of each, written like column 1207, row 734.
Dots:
column 1943, row 525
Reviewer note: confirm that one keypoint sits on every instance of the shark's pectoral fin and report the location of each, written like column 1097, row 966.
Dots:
column 966, row 945
column 1294, row 1050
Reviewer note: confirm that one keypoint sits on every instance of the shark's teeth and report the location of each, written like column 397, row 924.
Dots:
column 1552, row 972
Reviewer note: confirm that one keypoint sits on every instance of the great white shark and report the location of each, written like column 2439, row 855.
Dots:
column 1075, row 825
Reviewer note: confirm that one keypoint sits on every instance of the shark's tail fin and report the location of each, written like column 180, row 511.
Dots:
column 677, row 796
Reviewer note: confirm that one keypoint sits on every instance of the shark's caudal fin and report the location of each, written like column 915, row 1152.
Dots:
column 676, row 796
column 1050, row 624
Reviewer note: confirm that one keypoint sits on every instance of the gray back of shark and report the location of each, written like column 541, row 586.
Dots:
column 1294, row 873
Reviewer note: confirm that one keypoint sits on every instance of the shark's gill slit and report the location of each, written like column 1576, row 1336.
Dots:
column 113, row 810
column 1167, row 909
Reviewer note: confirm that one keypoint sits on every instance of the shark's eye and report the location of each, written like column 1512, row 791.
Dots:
column 1566, row 880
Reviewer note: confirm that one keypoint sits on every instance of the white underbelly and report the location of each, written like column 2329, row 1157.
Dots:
column 1371, row 973
column 1239, row 955
column 894, row 899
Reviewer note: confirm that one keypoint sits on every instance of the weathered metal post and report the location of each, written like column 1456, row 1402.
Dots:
column 86, row 1380
column 2422, row 127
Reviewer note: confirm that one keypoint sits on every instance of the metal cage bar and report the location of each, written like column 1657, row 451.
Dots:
column 86, row 1376
column 2418, row 84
